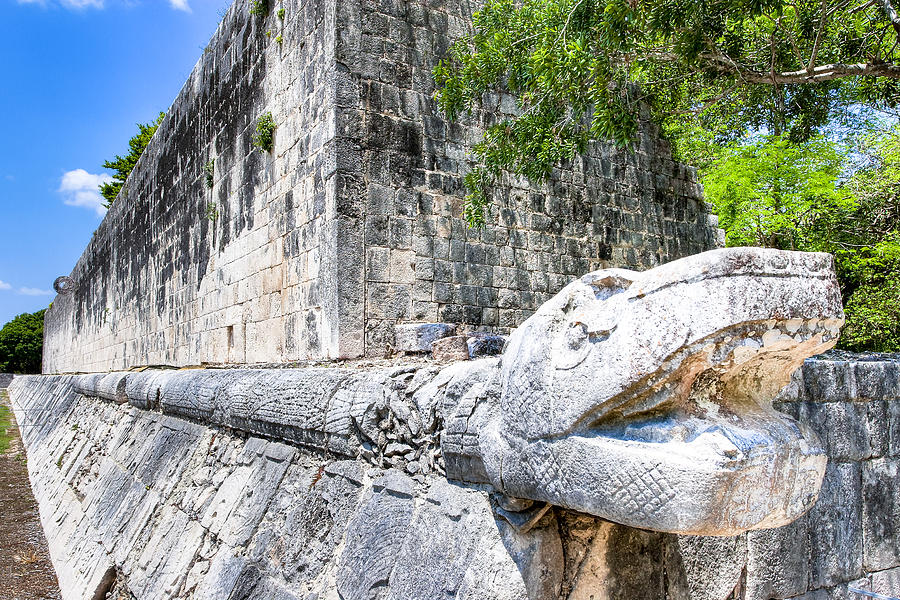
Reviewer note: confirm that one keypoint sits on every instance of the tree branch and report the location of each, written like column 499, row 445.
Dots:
column 818, row 42
column 814, row 75
column 891, row 13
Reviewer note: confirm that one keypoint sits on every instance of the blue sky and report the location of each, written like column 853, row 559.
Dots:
column 77, row 75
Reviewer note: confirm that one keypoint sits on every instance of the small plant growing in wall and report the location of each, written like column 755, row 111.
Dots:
column 280, row 14
column 212, row 211
column 209, row 170
column 279, row 39
column 260, row 8
column 265, row 132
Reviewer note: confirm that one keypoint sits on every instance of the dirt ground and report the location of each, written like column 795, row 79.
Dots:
column 25, row 569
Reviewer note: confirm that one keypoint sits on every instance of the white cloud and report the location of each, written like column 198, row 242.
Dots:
column 75, row 4
column 27, row 291
column 82, row 3
column 4, row 285
column 181, row 5
column 79, row 188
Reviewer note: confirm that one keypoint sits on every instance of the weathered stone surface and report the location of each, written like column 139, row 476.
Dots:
column 705, row 568
column 881, row 514
column 450, row 349
column 181, row 510
column 5, row 380
column 778, row 560
column 886, row 582
column 830, row 381
column 112, row 387
column 843, row 428
column 835, row 530
column 893, row 424
column 621, row 563
column 645, row 398
column 418, row 337
column 353, row 222
column 485, row 344
column 117, row 482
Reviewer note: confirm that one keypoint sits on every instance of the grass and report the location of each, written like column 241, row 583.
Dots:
column 6, row 423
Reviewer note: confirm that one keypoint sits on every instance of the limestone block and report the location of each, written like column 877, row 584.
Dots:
column 645, row 398
column 704, row 568
column 893, row 425
column 446, row 555
column 778, row 560
column 878, row 428
column 144, row 389
column 829, row 381
column 112, row 387
column 881, row 514
column 842, row 428
column 886, row 582
column 375, row 538
column 87, row 384
column 835, row 528
column 619, row 563
column 485, row 344
column 418, row 337
column 450, row 349
column 877, row 380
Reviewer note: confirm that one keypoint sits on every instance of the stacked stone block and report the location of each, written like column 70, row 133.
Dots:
column 633, row 208
column 243, row 271
column 352, row 223
column 851, row 537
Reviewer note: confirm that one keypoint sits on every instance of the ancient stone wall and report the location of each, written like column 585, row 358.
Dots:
column 352, row 223
column 5, row 379
column 404, row 167
column 244, row 271
column 198, row 484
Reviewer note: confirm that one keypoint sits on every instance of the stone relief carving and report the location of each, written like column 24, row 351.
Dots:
column 641, row 398
column 645, row 398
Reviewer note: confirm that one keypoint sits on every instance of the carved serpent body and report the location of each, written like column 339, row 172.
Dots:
column 642, row 398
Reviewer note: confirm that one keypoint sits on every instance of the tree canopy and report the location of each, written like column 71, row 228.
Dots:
column 823, row 196
column 123, row 165
column 583, row 70
column 21, row 344
column 775, row 193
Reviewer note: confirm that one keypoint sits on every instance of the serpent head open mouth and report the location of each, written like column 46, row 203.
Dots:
column 646, row 398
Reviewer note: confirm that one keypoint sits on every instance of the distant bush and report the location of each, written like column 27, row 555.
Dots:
column 22, row 343
column 123, row 165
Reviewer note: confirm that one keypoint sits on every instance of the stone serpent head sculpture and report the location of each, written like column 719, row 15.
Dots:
column 645, row 398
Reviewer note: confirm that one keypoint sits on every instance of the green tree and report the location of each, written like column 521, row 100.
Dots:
column 123, row 165
column 867, row 247
column 21, row 344
column 821, row 196
column 584, row 70
column 775, row 193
